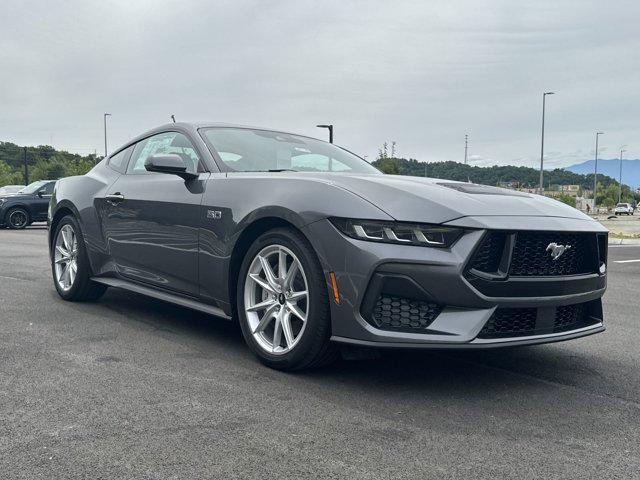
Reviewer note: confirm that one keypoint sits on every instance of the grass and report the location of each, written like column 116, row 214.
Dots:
column 623, row 235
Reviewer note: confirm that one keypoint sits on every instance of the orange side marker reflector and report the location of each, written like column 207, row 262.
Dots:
column 334, row 286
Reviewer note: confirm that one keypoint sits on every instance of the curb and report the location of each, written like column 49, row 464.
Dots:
column 624, row 241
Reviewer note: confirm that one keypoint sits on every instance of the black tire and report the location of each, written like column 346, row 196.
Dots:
column 83, row 289
column 15, row 213
column 314, row 348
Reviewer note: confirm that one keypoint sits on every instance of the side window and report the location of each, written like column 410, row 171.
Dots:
column 119, row 161
column 169, row 142
column 48, row 188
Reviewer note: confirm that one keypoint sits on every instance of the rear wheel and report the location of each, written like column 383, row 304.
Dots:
column 17, row 218
column 70, row 264
column 282, row 302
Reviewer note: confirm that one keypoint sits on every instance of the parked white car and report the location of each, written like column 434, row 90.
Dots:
column 624, row 209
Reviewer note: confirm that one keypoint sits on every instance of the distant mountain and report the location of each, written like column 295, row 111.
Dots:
column 611, row 168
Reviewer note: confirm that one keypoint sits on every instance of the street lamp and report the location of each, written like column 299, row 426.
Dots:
column 622, row 150
column 105, row 133
column 330, row 127
column 595, row 173
column 466, row 145
column 26, row 167
column 544, row 98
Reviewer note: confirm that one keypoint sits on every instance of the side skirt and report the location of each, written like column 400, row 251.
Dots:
column 160, row 295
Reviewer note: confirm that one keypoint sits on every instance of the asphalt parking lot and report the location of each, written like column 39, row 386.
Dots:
column 129, row 387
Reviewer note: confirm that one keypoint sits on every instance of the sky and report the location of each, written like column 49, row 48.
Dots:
column 420, row 73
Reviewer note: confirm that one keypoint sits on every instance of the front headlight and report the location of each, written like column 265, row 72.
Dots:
column 2, row 201
column 401, row 233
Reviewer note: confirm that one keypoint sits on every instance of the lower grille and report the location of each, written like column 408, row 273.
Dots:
column 570, row 317
column 403, row 314
column 510, row 322
column 522, row 322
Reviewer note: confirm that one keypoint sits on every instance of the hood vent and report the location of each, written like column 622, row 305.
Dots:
column 476, row 189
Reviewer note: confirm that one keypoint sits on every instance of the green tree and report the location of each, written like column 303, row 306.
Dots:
column 44, row 162
column 387, row 165
column 568, row 199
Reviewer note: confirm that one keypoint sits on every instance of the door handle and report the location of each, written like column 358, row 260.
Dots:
column 114, row 198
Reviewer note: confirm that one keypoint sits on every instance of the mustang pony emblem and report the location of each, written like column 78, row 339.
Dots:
column 557, row 250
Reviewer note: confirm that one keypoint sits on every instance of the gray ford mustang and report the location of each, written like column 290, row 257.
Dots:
column 309, row 246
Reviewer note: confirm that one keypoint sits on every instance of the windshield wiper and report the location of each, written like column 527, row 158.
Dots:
column 281, row 170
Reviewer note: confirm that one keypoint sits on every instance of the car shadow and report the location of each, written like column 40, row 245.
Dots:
column 417, row 372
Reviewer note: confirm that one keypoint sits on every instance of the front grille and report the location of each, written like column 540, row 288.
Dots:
column 488, row 255
column 403, row 314
column 522, row 322
column 510, row 322
column 531, row 259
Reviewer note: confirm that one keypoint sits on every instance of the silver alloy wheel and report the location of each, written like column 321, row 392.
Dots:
column 66, row 257
column 276, row 299
column 18, row 219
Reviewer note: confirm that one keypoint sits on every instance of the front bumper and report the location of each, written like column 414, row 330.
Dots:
column 439, row 276
column 4, row 208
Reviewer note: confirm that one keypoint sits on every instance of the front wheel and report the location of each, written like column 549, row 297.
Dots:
column 283, row 304
column 17, row 218
column 70, row 264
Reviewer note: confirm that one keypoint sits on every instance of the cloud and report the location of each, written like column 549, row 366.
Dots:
column 420, row 73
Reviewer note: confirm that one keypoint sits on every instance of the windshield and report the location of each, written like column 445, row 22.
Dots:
column 622, row 205
column 247, row 150
column 33, row 187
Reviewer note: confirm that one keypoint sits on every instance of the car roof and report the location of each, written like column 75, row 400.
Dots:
column 194, row 126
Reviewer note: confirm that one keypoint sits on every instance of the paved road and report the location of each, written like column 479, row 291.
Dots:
column 133, row 388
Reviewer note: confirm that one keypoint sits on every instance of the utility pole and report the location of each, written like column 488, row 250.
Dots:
column 26, row 167
column 466, row 138
column 544, row 97
column 622, row 150
column 595, row 174
column 105, row 133
column 330, row 128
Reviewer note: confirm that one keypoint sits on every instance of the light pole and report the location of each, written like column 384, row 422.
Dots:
column 105, row 133
column 595, row 174
column 466, row 144
column 544, row 99
column 26, row 167
column 622, row 150
column 330, row 128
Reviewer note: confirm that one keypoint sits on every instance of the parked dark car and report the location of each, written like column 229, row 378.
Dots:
column 29, row 205
column 308, row 245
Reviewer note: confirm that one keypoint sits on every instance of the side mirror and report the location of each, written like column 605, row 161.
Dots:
column 42, row 192
column 168, row 163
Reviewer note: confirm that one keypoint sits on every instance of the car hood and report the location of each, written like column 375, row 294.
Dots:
column 15, row 195
column 419, row 199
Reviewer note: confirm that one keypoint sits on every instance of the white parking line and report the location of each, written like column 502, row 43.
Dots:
column 626, row 261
